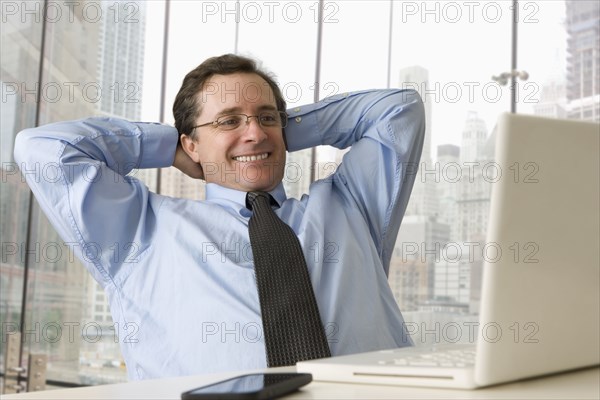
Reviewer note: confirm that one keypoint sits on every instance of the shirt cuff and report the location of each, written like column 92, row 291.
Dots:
column 159, row 143
column 302, row 131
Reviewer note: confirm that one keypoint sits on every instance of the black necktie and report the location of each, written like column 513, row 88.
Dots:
column 291, row 321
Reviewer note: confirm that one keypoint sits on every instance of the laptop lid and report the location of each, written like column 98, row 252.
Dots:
column 541, row 303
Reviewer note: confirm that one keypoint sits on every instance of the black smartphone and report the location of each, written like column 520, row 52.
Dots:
column 252, row 386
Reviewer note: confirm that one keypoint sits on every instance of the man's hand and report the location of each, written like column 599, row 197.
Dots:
column 185, row 164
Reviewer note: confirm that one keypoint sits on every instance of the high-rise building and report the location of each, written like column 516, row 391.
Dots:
column 121, row 58
column 473, row 138
column 453, row 272
column 583, row 59
column 553, row 101
column 478, row 173
column 417, row 249
column 450, row 175
column 458, row 276
column 408, row 280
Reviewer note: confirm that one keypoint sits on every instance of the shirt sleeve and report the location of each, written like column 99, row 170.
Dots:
column 77, row 172
column 385, row 129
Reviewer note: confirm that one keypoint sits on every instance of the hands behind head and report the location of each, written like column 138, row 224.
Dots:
column 185, row 164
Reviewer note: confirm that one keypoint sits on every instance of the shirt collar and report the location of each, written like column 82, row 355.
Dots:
column 237, row 199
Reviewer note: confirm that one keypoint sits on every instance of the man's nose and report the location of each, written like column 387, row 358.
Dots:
column 253, row 131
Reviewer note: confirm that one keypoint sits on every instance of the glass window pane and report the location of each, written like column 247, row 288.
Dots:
column 99, row 64
column 94, row 65
column 448, row 51
column 19, row 50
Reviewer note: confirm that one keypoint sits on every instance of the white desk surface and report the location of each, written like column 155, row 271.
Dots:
column 582, row 384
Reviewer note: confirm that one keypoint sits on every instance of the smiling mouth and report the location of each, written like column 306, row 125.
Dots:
column 256, row 157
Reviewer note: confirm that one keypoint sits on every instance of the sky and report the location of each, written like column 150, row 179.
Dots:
column 462, row 44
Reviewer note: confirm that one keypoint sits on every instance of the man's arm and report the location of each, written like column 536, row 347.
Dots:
column 386, row 130
column 79, row 179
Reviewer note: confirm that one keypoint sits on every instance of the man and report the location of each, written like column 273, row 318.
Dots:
column 180, row 274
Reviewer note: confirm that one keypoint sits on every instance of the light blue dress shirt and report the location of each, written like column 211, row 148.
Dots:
column 179, row 273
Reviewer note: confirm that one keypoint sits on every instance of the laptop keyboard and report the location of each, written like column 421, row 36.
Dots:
column 450, row 358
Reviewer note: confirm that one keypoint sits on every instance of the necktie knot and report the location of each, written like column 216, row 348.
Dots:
column 252, row 197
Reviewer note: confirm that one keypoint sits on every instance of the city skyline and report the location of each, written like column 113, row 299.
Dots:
column 439, row 212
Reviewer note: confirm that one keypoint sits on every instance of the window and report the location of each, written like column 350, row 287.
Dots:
column 18, row 111
column 59, row 292
column 448, row 51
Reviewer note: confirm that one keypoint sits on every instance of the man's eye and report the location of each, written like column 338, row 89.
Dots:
column 269, row 118
column 229, row 121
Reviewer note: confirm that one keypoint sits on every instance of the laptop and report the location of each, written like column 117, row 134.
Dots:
column 538, row 317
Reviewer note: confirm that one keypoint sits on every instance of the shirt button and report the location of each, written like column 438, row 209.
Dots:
column 297, row 109
column 298, row 119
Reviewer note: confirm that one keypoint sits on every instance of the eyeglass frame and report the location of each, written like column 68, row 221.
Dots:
column 282, row 114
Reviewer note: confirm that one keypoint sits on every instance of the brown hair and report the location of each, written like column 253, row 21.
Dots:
column 187, row 107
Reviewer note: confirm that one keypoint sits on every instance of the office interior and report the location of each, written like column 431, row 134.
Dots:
column 470, row 61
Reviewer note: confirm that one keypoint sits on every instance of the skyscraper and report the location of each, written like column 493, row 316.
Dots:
column 448, row 162
column 417, row 249
column 553, row 101
column 583, row 59
column 121, row 58
column 477, row 174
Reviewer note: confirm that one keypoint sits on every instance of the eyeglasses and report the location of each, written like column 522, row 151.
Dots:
column 266, row 119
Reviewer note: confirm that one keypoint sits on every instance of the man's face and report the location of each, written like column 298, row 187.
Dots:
column 249, row 158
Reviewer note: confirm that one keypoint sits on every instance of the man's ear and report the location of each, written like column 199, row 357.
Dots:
column 190, row 147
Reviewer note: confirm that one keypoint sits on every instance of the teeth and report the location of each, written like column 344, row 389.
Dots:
column 251, row 158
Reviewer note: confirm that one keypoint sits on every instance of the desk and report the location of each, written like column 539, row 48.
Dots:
column 582, row 384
